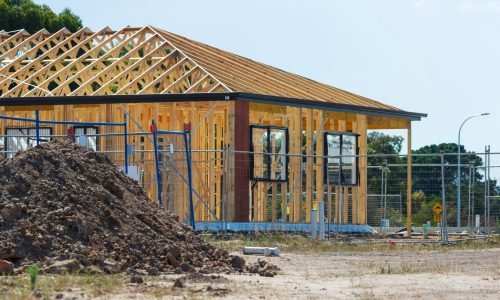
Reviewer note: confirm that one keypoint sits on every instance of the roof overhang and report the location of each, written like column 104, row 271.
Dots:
column 187, row 97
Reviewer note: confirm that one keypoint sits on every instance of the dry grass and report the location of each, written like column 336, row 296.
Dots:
column 302, row 244
column 18, row 287
column 388, row 259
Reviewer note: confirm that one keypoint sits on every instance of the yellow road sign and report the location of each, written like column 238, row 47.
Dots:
column 438, row 208
column 438, row 217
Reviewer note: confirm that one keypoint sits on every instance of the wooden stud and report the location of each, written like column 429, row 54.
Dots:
column 363, row 171
column 309, row 164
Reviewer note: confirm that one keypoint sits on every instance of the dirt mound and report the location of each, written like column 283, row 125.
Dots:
column 70, row 209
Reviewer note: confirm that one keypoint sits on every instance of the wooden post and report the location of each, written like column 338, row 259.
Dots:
column 345, row 205
column 309, row 164
column 340, row 195
column 241, row 165
column 363, row 174
column 408, row 181
column 212, row 175
column 297, row 149
column 320, row 191
column 284, row 186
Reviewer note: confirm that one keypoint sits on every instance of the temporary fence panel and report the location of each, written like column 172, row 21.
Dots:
column 287, row 181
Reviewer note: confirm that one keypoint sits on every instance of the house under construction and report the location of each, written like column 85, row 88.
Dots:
column 277, row 124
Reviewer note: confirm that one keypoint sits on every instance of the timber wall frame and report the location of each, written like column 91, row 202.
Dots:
column 221, row 123
column 150, row 73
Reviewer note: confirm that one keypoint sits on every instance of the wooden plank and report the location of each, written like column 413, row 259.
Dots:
column 28, row 108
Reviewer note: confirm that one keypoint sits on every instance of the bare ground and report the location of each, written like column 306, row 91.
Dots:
column 396, row 272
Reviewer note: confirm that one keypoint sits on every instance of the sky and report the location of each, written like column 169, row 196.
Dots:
column 440, row 57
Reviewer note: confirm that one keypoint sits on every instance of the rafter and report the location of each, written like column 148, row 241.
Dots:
column 108, row 73
column 50, row 48
column 11, row 40
column 44, row 76
column 172, row 63
column 24, row 45
column 124, row 77
column 82, row 76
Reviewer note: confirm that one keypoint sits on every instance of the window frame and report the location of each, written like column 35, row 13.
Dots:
column 341, row 180
column 97, row 144
column 268, row 164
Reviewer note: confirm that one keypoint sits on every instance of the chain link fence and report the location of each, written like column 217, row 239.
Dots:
column 279, row 191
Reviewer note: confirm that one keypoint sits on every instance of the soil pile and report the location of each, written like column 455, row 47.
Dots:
column 69, row 208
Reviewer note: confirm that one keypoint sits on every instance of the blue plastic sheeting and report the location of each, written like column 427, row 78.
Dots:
column 285, row 227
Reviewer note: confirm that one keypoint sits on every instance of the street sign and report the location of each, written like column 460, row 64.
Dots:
column 438, row 208
column 438, row 217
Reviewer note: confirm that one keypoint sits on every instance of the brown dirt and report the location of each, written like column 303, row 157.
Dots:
column 70, row 209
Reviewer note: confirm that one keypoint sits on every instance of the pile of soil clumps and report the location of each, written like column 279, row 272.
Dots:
column 69, row 209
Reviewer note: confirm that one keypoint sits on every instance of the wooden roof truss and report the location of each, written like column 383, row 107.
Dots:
column 128, row 61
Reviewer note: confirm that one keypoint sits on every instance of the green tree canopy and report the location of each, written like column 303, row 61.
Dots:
column 24, row 14
column 380, row 143
column 426, row 176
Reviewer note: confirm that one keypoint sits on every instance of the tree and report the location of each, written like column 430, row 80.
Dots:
column 24, row 14
column 383, row 144
column 426, row 176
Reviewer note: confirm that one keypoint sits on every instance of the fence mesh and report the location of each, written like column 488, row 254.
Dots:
column 297, row 184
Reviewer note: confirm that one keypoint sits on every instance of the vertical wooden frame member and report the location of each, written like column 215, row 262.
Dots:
column 362, row 169
column 320, row 192
column 309, row 163
column 241, row 162
column 296, row 148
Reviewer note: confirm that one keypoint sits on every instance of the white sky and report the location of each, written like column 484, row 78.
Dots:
column 440, row 57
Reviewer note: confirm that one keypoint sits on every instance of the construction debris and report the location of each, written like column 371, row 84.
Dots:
column 263, row 268
column 69, row 209
column 266, row 251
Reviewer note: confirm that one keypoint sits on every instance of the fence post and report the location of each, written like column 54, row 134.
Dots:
column 444, row 229
column 37, row 126
column 322, row 220
column 153, row 130
column 314, row 230
column 489, row 198
column 227, row 162
column 190, row 179
column 125, row 133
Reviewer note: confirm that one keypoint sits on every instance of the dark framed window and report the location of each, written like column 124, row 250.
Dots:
column 269, row 146
column 20, row 139
column 89, row 132
column 341, row 166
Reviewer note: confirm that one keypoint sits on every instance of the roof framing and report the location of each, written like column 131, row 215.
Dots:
column 150, row 63
column 106, row 62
